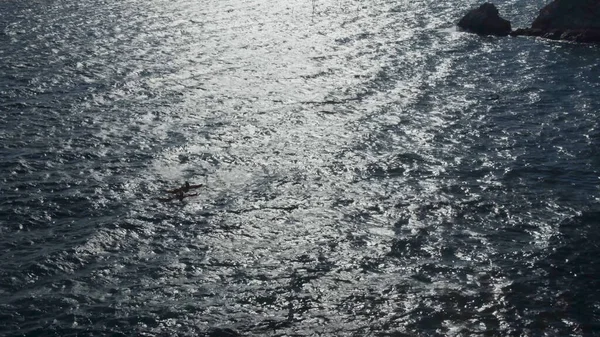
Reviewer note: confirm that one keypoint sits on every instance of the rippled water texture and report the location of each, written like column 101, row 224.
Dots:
column 368, row 171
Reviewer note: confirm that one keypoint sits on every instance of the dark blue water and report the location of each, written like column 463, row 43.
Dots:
column 367, row 171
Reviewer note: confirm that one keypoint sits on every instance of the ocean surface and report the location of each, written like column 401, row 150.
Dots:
column 367, row 170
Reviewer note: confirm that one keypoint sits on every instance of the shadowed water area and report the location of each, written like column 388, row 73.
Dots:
column 367, row 171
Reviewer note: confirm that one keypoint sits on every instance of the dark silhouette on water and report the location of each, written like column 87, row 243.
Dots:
column 179, row 196
column 184, row 188
column 180, row 193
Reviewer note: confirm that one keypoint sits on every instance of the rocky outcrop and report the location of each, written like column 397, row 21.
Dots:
column 485, row 20
column 570, row 20
column 574, row 35
column 569, row 15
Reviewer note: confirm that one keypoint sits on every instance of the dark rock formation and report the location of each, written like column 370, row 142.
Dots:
column 485, row 20
column 569, row 15
column 570, row 20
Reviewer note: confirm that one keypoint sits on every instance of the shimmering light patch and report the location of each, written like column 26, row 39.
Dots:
column 366, row 169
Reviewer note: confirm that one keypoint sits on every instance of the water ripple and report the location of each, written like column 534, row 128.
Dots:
column 367, row 170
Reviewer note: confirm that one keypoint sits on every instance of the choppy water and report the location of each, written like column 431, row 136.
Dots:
column 368, row 171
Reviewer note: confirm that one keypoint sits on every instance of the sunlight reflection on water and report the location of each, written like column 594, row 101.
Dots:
column 358, row 178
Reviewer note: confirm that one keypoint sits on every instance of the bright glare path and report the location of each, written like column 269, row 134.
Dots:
column 367, row 170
